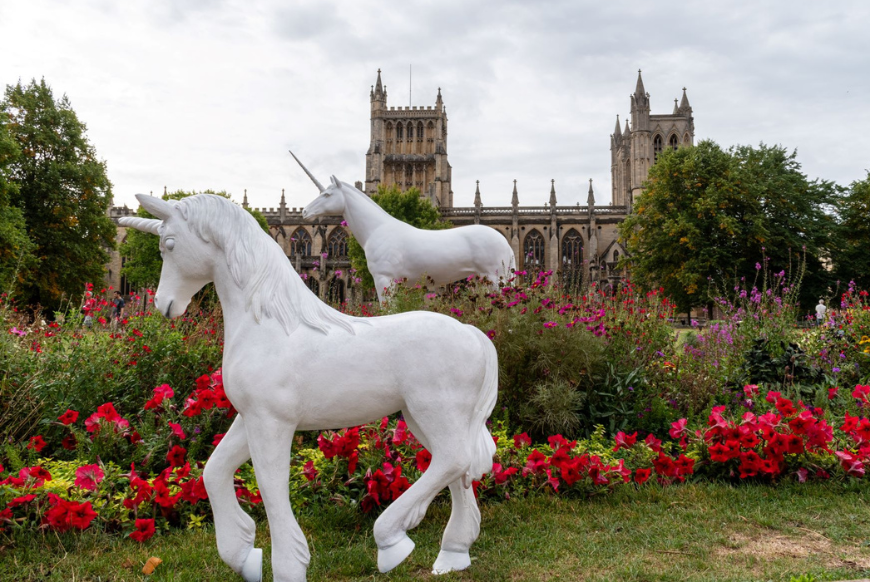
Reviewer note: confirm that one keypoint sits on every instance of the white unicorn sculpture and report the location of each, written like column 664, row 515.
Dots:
column 293, row 363
column 396, row 250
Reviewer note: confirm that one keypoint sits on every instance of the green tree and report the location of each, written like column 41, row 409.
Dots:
column 142, row 250
column 408, row 206
column 63, row 193
column 16, row 249
column 852, row 250
column 708, row 214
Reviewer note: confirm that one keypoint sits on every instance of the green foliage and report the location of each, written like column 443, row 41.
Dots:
column 709, row 215
column 852, row 253
column 408, row 206
column 62, row 191
column 16, row 249
column 141, row 249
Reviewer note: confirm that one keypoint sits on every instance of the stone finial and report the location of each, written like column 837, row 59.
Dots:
column 438, row 101
column 477, row 201
column 590, row 198
column 515, row 198
column 618, row 131
column 627, row 132
column 552, row 193
column 245, row 199
column 639, row 90
column 676, row 109
column 283, row 201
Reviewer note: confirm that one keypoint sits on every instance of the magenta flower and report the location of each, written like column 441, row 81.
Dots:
column 88, row 477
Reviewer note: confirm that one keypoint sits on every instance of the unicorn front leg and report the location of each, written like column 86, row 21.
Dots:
column 270, row 440
column 234, row 528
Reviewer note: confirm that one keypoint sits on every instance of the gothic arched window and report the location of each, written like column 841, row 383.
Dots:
column 673, row 142
column 420, row 130
column 533, row 250
column 657, row 146
column 335, row 291
column 687, row 140
column 615, row 256
column 336, row 244
column 399, row 131
column 572, row 250
column 313, row 284
column 300, row 243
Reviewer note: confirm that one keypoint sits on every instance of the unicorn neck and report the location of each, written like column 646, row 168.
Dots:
column 363, row 215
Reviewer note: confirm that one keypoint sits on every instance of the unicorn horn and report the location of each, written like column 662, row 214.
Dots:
column 313, row 179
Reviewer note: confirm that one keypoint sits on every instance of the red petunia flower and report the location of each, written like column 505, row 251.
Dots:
column 37, row 443
column 175, row 456
column 161, row 393
column 522, row 440
column 68, row 417
column 624, row 441
column 144, row 530
column 309, row 472
column 641, row 476
column 423, row 458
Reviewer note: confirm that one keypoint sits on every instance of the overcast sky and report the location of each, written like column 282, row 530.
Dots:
column 200, row 94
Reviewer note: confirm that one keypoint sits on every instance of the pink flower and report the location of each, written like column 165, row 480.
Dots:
column 88, row 477
column 309, row 471
column 177, row 430
column 624, row 441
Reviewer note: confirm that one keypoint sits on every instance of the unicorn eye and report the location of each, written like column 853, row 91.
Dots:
column 169, row 244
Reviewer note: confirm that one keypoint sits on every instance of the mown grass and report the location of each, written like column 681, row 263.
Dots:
column 700, row 532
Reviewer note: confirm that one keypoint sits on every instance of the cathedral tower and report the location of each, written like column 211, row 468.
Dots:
column 409, row 148
column 634, row 150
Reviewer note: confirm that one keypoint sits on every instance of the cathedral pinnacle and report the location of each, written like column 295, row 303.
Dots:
column 245, row 199
column 627, row 132
column 590, row 199
column 477, row 201
column 515, row 199
column 552, row 193
column 379, row 91
column 618, row 130
column 684, row 103
column 438, row 100
column 639, row 90
column 676, row 109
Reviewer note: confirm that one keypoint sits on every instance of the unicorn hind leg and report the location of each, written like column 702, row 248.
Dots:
column 234, row 528
column 464, row 524
column 450, row 460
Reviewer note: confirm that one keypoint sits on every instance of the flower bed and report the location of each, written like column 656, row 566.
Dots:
column 372, row 465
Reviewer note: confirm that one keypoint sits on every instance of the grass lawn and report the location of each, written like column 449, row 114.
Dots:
column 682, row 533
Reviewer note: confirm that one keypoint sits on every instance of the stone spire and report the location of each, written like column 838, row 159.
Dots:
column 617, row 133
column 379, row 92
column 627, row 132
column 552, row 193
column 590, row 199
column 684, row 103
column 515, row 198
column 639, row 90
column 477, row 201
column 676, row 109
column 245, row 199
column 438, row 101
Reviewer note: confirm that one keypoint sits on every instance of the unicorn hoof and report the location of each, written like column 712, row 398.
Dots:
column 389, row 558
column 451, row 561
column 252, row 570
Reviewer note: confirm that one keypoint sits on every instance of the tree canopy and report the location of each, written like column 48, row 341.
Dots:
column 852, row 249
column 16, row 249
column 142, row 250
column 712, row 215
column 407, row 206
column 62, row 192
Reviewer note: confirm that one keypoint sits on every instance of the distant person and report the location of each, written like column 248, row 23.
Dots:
column 820, row 311
column 117, row 309
column 89, row 308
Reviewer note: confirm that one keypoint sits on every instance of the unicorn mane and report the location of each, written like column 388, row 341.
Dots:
column 259, row 267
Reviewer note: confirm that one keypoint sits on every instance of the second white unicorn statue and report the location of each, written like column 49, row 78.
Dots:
column 291, row 363
column 396, row 250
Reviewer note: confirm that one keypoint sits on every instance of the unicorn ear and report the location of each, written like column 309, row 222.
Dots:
column 335, row 181
column 156, row 206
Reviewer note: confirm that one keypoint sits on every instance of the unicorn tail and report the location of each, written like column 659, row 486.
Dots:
column 483, row 447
